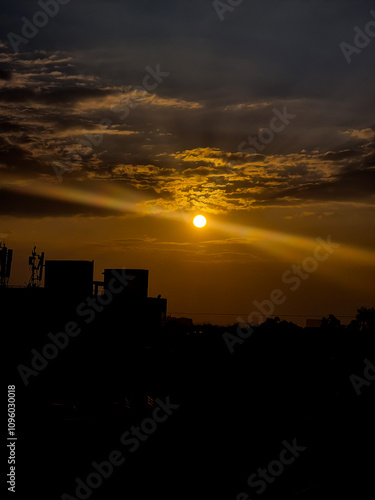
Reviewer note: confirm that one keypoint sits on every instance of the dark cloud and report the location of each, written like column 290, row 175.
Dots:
column 225, row 79
column 57, row 96
column 15, row 157
column 29, row 206
column 351, row 186
column 5, row 75
column 342, row 155
column 7, row 126
column 17, row 95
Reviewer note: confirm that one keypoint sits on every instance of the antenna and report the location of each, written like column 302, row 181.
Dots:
column 41, row 265
column 36, row 263
column 6, row 256
column 9, row 263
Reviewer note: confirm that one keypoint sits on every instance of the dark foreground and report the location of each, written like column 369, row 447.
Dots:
column 224, row 416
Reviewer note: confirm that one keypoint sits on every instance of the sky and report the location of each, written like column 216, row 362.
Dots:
column 120, row 121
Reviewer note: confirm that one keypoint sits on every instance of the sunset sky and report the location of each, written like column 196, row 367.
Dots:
column 152, row 106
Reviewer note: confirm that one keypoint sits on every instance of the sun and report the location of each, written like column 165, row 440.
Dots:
column 199, row 221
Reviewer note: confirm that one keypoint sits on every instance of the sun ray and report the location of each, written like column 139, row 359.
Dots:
column 280, row 244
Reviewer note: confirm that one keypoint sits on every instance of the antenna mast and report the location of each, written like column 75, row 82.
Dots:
column 6, row 256
column 36, row 263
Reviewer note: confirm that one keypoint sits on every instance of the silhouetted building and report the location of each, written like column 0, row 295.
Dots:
column 131, row 307
column 156, row 311
column 186, row 322
column 137, row 282
column 70, row 277
column 116, row 328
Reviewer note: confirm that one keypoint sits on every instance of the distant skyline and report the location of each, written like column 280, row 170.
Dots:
column 161, row 112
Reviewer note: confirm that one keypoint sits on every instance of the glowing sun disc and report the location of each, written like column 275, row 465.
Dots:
column 199, row 221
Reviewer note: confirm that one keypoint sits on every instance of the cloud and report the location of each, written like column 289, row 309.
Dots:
column 224, row 250
column 30, row 206
column 19, row 159
column 179, row 149
column 5, row 75
column 246, row 106
column 47, row 97
column 365, row 134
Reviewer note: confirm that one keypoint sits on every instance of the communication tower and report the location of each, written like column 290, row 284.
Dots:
column 6, row 256
column 36, row 263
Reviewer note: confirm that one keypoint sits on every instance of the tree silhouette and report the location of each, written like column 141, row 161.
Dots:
column 331, row 322
column 366, row 319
